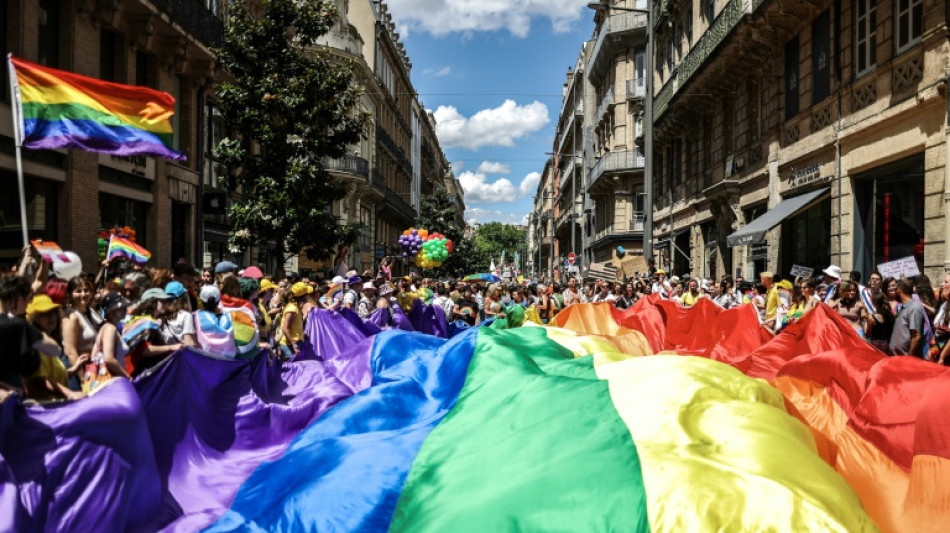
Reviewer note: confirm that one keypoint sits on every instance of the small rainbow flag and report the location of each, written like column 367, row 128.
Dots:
column 59, row 109
column 119, row 247
column 333, row 290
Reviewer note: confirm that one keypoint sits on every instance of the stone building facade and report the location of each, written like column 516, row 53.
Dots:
column 800, row 133
column 72, row 194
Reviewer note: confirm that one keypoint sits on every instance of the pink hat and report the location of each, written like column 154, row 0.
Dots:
column 369, row 286
column 253, row 272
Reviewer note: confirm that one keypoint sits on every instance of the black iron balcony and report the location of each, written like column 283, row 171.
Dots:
column 195, row 18
column 611, row 33
column 349, row 164
column 615, row 162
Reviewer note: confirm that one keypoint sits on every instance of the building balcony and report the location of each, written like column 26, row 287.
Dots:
column 636, row 88
column 632, row 228
column 567, row 173
column 349, row 165
column 618, row 31
column 605, row 104
column 567, row 132
column 195, row 18
column 614, row 162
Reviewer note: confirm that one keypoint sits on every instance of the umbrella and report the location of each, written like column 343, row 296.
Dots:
column 491, row 278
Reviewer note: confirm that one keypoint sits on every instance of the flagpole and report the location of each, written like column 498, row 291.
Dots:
column 17, row 110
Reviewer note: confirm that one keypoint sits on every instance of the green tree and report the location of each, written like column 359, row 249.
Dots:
column 291, row 106
column 493, row 238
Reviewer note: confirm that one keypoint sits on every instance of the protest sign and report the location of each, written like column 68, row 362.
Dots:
column 800, row 271
column 906, row 267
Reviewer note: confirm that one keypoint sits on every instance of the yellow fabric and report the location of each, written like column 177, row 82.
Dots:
column 406, row 298
column 268, row 321
column 53, row 369
column 295, row 327
column 705, row 433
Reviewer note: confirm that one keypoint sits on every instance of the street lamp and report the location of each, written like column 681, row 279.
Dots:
column 604, row 6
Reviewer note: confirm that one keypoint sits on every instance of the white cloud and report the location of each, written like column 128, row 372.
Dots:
column 438, row 73
column 499, row 126
column 441, row 17
column 479, row 191
column 477, row 215
column 492, row 167
column 529, row 185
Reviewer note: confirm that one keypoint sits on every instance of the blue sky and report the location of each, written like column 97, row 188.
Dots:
column 492, row 72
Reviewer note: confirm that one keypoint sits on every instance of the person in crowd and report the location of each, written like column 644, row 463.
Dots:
column 940, row 352
column 880, row 324
column 367, row 300
column 207, row 276
column 291, row 323
column 110, row 350
column 804, row 298
column 850, row 307
column 466, row 308
column 726, row 298
column 660, row 285
column 134, row 284
column 771, row 295
column 385, row 269
column 493, row 306
column 229, row 285
column 907, row 337
column 351, row 291
column 159, row 277
column 544, row 303
column 571, row 294
column 892, row 294
column 147, row 346
column 783, row 289
column 924, row 291
column 874, row 287
column 340, row 267
column 442, row 300
column 832, row 278
column 479, row 296
column 24, row 343
column 627, row 298
column 184, row 273
column 224, row 269
column 177, row 324
column 692, row 295
column 265, row 317
column 80, row 325
column 51, row 380
column 602, row 293
column 214, row 329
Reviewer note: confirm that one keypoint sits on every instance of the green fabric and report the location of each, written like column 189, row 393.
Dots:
column 533, row 444
column 52, row 112
column 514, row 317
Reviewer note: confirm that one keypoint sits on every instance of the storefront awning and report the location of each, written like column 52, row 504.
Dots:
column 754, row 232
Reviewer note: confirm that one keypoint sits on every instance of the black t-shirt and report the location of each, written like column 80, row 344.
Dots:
column 17, row 357
column 468, row 309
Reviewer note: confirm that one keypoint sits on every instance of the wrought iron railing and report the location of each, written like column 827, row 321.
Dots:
column 615, row 162
column 636, row 88
column 195, row 18
column 615, row 24
column 348, row 164
column 605, row 104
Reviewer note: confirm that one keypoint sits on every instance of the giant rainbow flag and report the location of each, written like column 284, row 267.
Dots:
column 60, row 109
column 653, row 419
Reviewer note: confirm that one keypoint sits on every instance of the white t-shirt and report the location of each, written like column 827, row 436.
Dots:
column 174, row 330
column 350, row 298
column 445, row 303
column 365, row 307
column 663, row 288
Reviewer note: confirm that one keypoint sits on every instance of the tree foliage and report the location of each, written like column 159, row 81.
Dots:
column 437, row 213
column 290, row 106
column 493, row 238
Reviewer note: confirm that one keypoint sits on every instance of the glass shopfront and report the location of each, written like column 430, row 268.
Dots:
column 118, row 212
column 41, row 213
column 889, row 214
column 805, row 238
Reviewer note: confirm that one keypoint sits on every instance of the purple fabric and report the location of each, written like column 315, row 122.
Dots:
column 171, row 457
column 434, row 323
column 87, row 465
column 380, row 318
column 400, row 320
column 331, row 333
column 415, row 313
column 366, row 327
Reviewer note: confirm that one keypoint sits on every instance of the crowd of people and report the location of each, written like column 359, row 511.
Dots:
column 63, row 338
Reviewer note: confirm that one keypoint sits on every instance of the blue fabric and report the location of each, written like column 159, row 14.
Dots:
column 336, row 462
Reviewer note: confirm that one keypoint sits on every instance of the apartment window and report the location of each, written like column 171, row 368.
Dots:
column 910, row 17
column 143, row 69
column 710, row 11
column 821, row 57
column 640, row 64
column 670, row 53
column 688, row 24
column 176, row 118
column 728, row 116
column 214, row 134
column 865, row 37
column 48, row 33
column 107, row 55
column 791, row 79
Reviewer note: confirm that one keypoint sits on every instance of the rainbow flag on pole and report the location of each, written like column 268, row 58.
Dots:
column 119, row 247
column 59, row 109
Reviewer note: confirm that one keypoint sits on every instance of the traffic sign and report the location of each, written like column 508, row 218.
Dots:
column 571, row 258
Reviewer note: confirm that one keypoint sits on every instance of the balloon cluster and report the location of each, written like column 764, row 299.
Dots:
column 428, row 250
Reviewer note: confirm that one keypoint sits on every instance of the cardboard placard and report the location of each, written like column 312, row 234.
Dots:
column 906, row 267
column 798, row 270
column 50, row 251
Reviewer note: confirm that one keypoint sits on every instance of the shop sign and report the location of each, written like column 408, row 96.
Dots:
column 806, row 175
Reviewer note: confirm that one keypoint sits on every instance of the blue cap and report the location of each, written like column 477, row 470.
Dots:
column 175, row 289
column 225, row 266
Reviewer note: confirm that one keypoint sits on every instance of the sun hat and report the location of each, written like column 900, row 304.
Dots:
column 354, row 280
column 385, row 289
column 338, row 279
column 267, row 285
column 833, row 271
column 41, row 303
column 368, row 286
column 113, row 302
column 175, row 289
column 253, row 272
column 154, row 293
column 210, row 294
column 660, row 271
column 301, row 289
column 225, row 266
